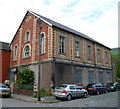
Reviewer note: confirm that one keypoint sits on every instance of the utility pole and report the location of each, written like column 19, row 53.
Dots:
column 39, row 22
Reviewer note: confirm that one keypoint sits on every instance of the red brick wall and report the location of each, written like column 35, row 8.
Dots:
column 28, row 26
column 4, row 64
column 45, row 30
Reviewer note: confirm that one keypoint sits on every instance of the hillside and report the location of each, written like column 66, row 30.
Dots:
column 116, row 49
column 116, row 53
column 116, row 58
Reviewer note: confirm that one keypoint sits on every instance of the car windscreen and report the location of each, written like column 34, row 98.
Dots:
column 61, row 87
column 4, row 86
column 109, row 84
column 90, row 85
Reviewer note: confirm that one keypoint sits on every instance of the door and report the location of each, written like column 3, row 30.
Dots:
column 73, row 91
column 79, row 91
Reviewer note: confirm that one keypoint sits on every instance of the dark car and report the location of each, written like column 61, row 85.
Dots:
column 113, row 86
column 96, row 88
column 5, row 90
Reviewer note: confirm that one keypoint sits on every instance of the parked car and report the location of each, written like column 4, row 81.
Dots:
column 96, row 88
column 69, row 91
column 5, row 90
column 112, row 86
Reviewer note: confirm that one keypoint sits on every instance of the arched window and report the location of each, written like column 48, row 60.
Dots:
column 27, row 36
column 43, row 43
column 15, row 52
column 27, row 51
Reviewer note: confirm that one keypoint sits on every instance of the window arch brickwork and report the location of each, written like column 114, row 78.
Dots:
column 43, row 43
column 27, row 51
column 27, row 36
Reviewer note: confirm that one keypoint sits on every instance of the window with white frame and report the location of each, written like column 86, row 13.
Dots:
column 62, row 45
column 27, row 36
column 89, row 52
column 27, row 51
column 42, row 43
column 15, row 52
column 77, row 49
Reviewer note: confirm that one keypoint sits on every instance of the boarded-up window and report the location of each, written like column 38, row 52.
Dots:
column 79, row 76
column 90, row 76
column 100, row 76
column 108, row 76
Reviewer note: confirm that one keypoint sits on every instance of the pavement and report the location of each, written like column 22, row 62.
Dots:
column 48, row 99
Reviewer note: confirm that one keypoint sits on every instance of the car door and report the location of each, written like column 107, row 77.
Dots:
column 73, row 91
column 79, row 91
column 99, row 87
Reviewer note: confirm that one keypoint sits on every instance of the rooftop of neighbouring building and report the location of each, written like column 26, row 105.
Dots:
column 4, row 46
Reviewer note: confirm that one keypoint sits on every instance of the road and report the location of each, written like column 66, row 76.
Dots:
column 102, row 100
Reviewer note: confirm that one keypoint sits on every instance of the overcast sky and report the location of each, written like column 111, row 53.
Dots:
column 96, row 18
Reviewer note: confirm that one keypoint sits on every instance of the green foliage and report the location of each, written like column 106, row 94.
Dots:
column 118, row 68
column 43, row 93
column 26, row 80
column 116, row 58
column 28, row 87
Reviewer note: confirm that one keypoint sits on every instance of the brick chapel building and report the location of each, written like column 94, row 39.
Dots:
column 67, row 56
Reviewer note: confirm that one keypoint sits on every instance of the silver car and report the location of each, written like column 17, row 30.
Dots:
column 69, row 91
column 5, row 90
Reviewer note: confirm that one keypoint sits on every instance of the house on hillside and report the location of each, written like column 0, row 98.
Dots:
column 67, row 56
column 4, row 61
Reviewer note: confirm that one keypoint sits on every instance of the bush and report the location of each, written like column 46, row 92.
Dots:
column 28, row 87
column 26, row 80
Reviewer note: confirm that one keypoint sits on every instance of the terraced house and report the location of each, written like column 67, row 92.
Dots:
column 67, row 56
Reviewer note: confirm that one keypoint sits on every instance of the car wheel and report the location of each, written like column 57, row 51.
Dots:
column 85, row 95
column 69, row 97
column 9, row 96
column 57, row 97
column 98, row 92
column 105, row 91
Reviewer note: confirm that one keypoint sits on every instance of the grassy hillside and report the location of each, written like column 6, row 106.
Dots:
column 116, row 53
column 116, row 58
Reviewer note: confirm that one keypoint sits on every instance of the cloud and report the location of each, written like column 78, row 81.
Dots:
column 69, row 7
column 97, row 19
column 92, row 16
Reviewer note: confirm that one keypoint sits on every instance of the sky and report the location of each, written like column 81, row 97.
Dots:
column 97, row 19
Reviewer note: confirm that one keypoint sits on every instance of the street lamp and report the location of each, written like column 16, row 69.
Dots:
column 39, row 22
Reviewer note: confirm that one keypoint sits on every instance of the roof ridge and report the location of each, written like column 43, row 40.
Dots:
column 63, row 27
column 54, row 23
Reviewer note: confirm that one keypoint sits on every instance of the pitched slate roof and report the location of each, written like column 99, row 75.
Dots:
column 58, row 25
column 4, row 46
